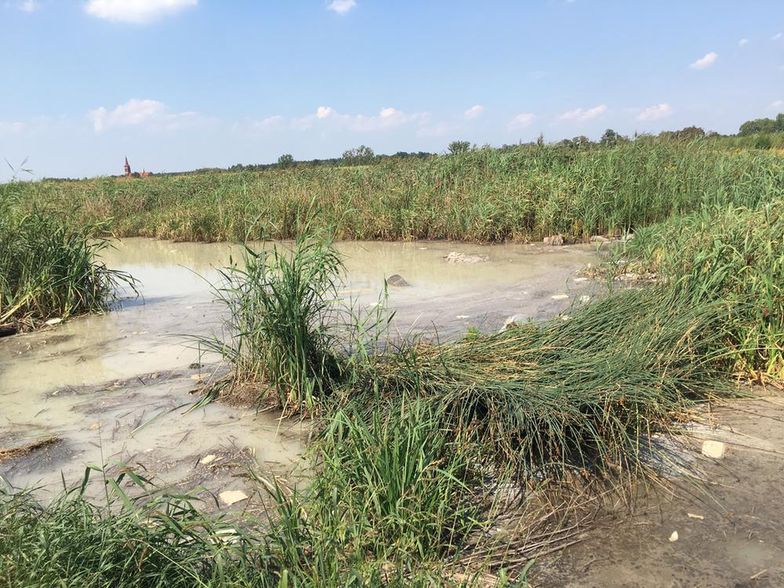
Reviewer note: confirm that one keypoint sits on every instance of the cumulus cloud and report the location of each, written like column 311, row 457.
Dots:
column 743, row 42
column 150, row 114
column 776, row 105
column 655, row 112
column 136, row 11
column 583, row 114
column 474, row 112
column 387, row 118
column 341, row 6
column 706, row 61
column 522, row 120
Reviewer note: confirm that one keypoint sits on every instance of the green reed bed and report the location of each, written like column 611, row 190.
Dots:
column 417, row 443
column 516, row 194
column 49, row 269
column 731, row 256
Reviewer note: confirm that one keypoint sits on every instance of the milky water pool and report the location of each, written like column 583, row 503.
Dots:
column 116, row 388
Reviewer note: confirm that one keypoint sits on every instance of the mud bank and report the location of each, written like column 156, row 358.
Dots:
column 116, row 388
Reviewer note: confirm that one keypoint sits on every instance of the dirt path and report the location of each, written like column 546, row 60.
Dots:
column 739, row 542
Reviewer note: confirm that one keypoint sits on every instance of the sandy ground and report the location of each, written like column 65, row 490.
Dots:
column 736, row 538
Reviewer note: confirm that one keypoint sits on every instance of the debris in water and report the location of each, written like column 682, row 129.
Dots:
column 455, row 257
column 674, row 537
column 397, row 281
column 14, row 452
column 695, row 516
column 208, row 459
column 559, row 296
column 53, row 322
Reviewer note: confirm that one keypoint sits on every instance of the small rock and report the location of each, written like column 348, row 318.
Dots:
column 7, row 330
column 713, row 449
column 674, row 537
column 230, row 497
column 208, row 459
column 559, row 296
column 53, row 322
column 554, row 240
column 397, row 281
column 194, row 366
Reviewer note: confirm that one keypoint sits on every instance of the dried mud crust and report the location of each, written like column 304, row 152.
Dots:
column 730, row 532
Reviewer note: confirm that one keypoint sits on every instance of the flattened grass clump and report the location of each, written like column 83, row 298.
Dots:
column 50, row 270
column 581, row 395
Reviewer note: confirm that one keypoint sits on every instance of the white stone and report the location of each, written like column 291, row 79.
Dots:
column 53, row 322
column 208, row 459
column 713, row 449
column 674, row 537
column 230, row 497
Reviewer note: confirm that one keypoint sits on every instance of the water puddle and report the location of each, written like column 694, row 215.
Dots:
column 115, row 388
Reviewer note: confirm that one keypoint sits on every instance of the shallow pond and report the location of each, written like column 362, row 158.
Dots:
column 115, row 388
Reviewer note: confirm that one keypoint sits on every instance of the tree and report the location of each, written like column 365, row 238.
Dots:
column 286, row 160
column 361, row 155
column 610, row 138
column 762, row 125
column 456, row 147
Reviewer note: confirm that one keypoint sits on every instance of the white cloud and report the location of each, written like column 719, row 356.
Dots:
column 269, row 123
column 28, row 5
column 387, row 118
column 776, row 105
column 777, row 36
column 706, row 61
column 341, row 6
column 656, row 112
column 135, row 11
column 150, row 114
column 474, row 112
column 743, row 42
column 583, row 114
column 323, row 112
column 522, row 120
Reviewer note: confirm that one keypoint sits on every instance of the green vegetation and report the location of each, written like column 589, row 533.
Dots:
column 422, row 449
column 49, row 269
column 280, row 308
column 514, row 194
column 731, row 256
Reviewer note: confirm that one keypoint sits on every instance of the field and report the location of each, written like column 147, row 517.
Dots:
column 423, row 452
column 517, row 194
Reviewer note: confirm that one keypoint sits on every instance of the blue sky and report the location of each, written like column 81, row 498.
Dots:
column 181, row 84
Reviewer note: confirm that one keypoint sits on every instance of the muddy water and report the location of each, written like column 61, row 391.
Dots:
column 115, row 388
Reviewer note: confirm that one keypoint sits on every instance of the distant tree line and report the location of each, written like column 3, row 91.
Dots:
column 753, row 133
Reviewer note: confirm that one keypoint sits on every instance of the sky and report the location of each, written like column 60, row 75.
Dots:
column 182, row 84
